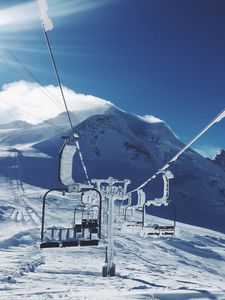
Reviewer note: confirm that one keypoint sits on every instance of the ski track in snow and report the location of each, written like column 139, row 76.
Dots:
column 188, row 266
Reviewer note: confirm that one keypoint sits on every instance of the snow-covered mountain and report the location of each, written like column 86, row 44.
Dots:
column 115, row 143
column 219, row 159
column 15, row 125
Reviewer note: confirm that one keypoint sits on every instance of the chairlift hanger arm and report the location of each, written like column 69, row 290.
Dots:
column 166, row 175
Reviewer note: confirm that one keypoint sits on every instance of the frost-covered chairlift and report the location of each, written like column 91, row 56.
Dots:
column 88, row 232
column 125, row 210
column 86, row 224
column 133, row 225
column 156, row 229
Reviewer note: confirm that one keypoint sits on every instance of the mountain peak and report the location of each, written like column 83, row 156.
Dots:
column 19, row 124
column 219, row 159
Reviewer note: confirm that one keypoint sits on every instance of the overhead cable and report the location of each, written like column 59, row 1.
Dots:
column 47, row 25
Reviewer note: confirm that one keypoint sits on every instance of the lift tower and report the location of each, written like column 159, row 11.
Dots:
column 111, row 190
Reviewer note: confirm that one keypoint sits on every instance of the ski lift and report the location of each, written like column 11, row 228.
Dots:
column 156, row 229
column 132, row 225
column 87, row 232
column 87, row 226
column 125, row 210
column 85, row 229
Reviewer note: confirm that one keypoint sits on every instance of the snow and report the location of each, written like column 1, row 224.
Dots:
column 66, row 164
column 151, row 119
column 219, row 117
column 190, row 265
column 43, row 7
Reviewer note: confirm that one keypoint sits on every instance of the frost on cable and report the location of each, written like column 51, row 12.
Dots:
column 43, row 9
column 220, row 117
column 66, row 164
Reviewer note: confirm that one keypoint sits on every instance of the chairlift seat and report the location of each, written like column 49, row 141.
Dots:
column 89, row 223
column 167, row 227
column 89, row 242
column 93, row 222
column 78, row 227
column 72, row 243
column 49, row 245
column 85, row 223
column 168, row 233
column 94, row 230
column 92, row 225
column 153, row 233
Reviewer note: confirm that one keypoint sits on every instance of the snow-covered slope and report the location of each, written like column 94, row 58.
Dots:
column 188, row 266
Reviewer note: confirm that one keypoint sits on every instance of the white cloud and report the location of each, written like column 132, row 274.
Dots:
column 24, row 17
column 23, row 100
column 18, row 22
column 18, row 17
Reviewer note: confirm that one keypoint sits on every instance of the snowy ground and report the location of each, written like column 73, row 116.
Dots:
column 188, row 266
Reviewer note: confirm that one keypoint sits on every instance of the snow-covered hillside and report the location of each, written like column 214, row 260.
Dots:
column 188, row 266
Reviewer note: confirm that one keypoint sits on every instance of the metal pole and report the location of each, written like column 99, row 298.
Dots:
column 110, row 233
column 100, row 216
column 109, row 268
column 143, row 216
column 175, row 216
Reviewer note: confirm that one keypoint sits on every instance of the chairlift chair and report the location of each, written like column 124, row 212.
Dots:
column 84, row 231
column 88, row 231
column 156, row 229
column 132, row 225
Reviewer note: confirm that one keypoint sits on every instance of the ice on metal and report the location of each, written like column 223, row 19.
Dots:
column 220, row 117
column 45, row 20
column 66, row 165
column 167, row 175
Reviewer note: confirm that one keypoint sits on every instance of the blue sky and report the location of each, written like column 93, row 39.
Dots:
column 159, row 57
